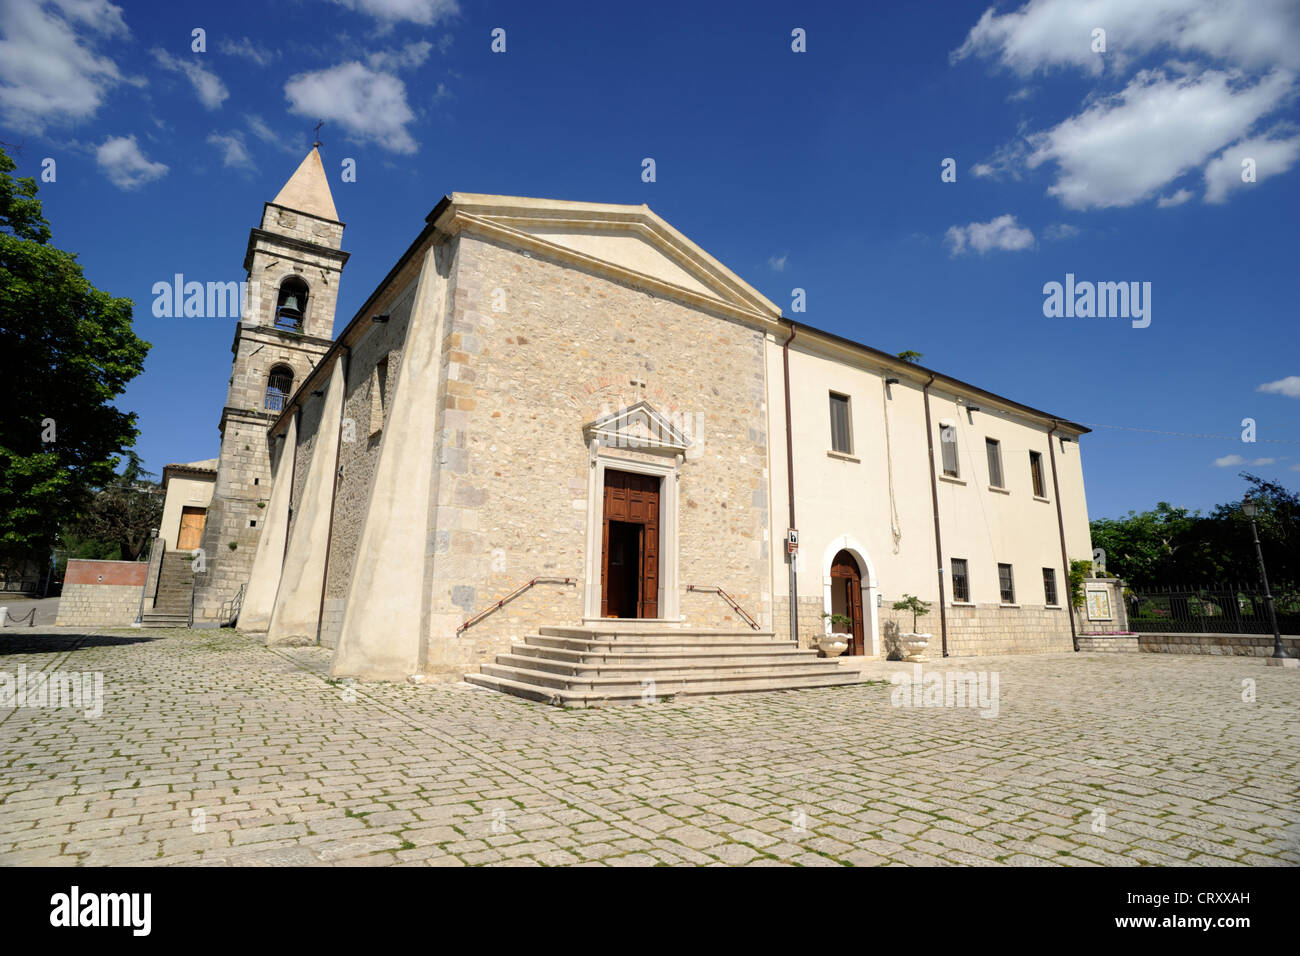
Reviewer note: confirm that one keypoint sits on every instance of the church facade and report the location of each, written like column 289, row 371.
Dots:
column 551, row 413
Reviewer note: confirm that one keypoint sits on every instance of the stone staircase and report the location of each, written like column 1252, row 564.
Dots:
column 175, row 588
column 607, row 663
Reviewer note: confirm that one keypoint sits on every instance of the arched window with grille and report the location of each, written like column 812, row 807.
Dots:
column 291, row 304
column 279, row 385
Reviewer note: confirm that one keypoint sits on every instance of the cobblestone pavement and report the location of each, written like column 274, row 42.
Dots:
column 212, row 749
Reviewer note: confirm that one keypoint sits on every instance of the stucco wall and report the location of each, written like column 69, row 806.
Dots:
column 183, row 493
column 844, row 501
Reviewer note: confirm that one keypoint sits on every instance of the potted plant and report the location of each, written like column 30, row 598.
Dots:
column 914, row 643
column 835, row 641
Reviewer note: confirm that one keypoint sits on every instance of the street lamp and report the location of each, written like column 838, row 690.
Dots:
column 1280, row 657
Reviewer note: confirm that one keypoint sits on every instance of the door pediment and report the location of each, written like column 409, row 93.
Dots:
column 639, row 427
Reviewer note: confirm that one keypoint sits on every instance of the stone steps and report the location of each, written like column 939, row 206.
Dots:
column 171, row 606
column 594, row 665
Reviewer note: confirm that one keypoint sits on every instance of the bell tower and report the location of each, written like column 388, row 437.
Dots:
column 294, row 261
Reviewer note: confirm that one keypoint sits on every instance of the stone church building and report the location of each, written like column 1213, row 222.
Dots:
column 566, row 422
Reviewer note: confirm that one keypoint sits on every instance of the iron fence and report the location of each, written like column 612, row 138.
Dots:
column 1213, row 609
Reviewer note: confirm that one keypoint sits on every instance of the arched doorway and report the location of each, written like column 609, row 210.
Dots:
column 846, row 597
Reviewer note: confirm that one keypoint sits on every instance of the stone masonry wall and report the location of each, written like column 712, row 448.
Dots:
column 563, row 347
column 101, row 593
column 360, row 444
column 992, row 629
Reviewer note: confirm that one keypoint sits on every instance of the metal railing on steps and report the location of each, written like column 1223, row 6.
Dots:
column 228, row 613
column 728, row 598
column 502, row 602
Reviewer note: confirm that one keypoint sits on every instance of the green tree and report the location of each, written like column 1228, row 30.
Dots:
column 121, row 515
column 911, row 356
column 1174, row 547
column 69, row 351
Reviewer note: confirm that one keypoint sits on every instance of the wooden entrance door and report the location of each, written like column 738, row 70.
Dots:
column 846, row 593
column 629, row 581
column 191, row 534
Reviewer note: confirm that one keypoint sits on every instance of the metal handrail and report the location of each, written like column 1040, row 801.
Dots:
column 228, row 613
column 511, row 596
column 729, row 599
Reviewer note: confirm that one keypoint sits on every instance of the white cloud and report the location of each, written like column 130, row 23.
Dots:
column 124, row 165
column 249, row 50
column 411, row 55
column 369, row 105
column 1002, row 233
column 1177, row 199
column 1058, row 33
column 234, row 152
column 49, row 73
column 1228, row 65
column 211, row 91
column 424, row 12
column 1125, row 148
column 777, row 264
column 1271, row 156
column 1289, row 386
column 1227, row 461
column 1061, row 230
column 284, row 143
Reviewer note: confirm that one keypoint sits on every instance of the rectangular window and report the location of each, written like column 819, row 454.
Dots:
column 379, row 396
column 960, row 580
column 948, row 443
column 994, row 449
column 1049, row 585
column 1006, row 585
column 841, row 431
column 1036, row 473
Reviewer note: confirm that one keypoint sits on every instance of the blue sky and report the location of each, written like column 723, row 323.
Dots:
column 819, row 170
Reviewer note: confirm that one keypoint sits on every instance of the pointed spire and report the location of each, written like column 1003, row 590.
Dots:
column 308, row 189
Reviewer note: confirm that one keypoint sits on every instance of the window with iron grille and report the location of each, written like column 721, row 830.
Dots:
column 1006, row 585
column 841, row 430
column 1036, row 473
column 994, row 449
column 960, row 580
column 948, row 444
column 279, row 384
column 1049, row 585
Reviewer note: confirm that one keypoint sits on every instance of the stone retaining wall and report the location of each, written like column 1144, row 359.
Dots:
column 1232, row 645
column 98, row 593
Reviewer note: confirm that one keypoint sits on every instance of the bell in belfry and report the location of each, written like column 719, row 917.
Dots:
column 291, row 304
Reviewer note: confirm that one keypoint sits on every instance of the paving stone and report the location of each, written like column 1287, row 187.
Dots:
column 284, row 774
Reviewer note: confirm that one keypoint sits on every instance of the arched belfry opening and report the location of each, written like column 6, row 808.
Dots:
column 279, row 386
column 291, row 304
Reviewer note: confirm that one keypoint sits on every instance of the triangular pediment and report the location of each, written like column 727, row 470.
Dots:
column 639, row 427
column 631, row 242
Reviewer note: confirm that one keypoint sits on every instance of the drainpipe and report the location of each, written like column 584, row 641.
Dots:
column 1060, row 526
column 934, row 501
column 789, row 469
column 344, row 360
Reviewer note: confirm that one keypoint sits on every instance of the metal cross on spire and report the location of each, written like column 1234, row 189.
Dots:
column 316, row 135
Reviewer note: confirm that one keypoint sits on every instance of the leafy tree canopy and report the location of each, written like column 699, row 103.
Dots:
column 69, row 352
column 1172, row 547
